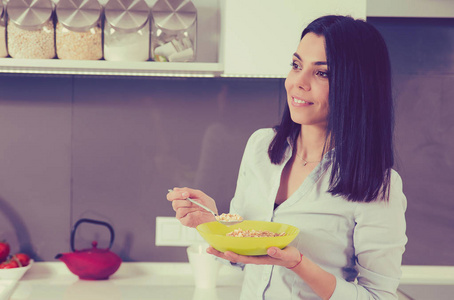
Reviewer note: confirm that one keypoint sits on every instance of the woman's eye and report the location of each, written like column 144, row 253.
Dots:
column 322, row 74
column 295, row 66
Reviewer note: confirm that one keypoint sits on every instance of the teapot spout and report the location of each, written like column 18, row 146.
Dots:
column 62, row 256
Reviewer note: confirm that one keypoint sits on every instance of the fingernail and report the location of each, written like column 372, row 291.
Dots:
column 272, row 251
column 185, row 195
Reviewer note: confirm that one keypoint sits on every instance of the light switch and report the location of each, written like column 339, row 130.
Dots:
column 170, row 232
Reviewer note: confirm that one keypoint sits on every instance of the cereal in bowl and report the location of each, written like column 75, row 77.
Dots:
column 254, row 233
column 229, row 217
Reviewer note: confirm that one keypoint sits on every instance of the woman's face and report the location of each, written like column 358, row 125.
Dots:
column 307, row 83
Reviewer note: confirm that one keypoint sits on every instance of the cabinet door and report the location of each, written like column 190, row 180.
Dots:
column 260, row 36
column 410, row 8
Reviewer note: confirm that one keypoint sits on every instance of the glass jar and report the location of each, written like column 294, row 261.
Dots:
column 3, row 51
column 127, row 31
column 173, row 31
column 30, row 29
column 78, row 33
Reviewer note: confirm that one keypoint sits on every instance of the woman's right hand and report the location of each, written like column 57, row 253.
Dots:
column 188, row 213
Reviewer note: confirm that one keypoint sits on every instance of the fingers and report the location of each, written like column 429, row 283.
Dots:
column 190, row 219
column 187, row 213
column 225, row 255
column 286, row 257
column 236, row 258
column 274, row 252
column 178, row 194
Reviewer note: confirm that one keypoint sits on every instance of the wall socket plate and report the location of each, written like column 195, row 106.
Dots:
column 170, row 232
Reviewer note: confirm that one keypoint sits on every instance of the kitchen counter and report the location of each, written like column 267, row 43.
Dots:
column 168, row 281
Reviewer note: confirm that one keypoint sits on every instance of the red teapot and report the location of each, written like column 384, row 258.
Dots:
column 92, row 263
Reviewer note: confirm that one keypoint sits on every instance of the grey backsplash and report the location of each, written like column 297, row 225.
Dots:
column 108, row 148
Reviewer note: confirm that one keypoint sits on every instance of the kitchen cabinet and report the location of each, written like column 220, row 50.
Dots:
column 238, row 38
column 260, row 36
column 253, row 38
column 206, row 64
column 410, row 8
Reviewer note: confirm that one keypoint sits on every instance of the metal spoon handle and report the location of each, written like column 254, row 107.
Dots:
column 200, row 204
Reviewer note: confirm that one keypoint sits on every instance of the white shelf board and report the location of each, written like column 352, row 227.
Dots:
column 102, row 67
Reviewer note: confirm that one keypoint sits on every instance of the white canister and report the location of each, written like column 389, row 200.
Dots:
column 3, row 50
column 78, row 33
column 30, row 29
column 173, row 31
column 127, row 31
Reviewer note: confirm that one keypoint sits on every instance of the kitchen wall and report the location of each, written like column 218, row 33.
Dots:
column 109, row 148
column 422, row 55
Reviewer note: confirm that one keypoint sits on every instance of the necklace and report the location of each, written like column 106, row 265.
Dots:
column 305, row 162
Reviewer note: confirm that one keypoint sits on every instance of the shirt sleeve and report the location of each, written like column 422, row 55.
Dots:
column 379, row 240
column 244, row 176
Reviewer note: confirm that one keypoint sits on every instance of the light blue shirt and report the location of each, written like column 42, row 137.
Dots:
column 360, row 243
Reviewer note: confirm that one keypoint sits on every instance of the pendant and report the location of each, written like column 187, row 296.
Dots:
column 305, row 163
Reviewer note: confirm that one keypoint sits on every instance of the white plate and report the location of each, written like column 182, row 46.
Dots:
column 14, row 273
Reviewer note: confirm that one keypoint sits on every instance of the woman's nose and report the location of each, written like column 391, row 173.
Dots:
column 304, row 81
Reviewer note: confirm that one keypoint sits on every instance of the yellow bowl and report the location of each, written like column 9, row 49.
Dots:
column 214, row 234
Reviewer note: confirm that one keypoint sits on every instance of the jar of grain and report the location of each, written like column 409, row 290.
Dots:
column 127, row 31
column 30, row 29
column 173, row 31
column 3, row 51
column 78, row 33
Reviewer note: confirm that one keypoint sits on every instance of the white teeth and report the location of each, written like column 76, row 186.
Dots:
column 300, row 101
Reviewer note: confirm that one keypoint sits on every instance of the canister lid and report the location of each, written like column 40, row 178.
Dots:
column 29, row 13
column 127, row 15
column 174, row 14
column 78, row 15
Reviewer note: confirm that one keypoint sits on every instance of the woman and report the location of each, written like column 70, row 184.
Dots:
column 325, row 169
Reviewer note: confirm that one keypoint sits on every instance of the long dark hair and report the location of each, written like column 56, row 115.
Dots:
column 361, row 118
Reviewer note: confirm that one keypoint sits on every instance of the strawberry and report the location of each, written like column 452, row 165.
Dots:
column 9, row 264
column 22, row 258
column 4, row 251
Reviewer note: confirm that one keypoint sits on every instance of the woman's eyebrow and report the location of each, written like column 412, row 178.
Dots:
column 317, row 63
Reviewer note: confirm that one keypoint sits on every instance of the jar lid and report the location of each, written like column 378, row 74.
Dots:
column 78, row 15
column 127, row 15
column 174, row 14
column 29, row 13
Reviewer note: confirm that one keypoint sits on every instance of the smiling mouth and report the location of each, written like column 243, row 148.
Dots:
column 299, row 101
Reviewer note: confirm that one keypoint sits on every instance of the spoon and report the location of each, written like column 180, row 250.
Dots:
column 216, row 216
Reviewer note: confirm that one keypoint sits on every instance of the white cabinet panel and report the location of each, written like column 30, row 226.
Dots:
column 261, row 35
column 410, row 8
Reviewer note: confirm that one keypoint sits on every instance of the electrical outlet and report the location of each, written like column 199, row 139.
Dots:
column 170, row 232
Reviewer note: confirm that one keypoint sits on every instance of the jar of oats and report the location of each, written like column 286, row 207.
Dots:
column 173, row 31
column 126, row 31
column 30, row 29
column 78, row 33
column 3, row 51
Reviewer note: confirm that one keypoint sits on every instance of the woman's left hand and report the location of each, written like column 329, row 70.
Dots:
column 287, row 257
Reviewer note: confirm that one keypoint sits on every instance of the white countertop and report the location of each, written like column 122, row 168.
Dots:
column 168, row 281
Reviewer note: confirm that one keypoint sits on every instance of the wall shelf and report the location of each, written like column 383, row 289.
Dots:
column 102, row 67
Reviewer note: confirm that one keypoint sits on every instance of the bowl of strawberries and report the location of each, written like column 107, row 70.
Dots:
column 13, row 267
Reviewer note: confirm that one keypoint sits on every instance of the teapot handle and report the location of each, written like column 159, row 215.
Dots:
column 84, row 220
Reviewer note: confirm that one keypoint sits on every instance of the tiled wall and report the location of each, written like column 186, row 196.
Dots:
column 109, row 148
